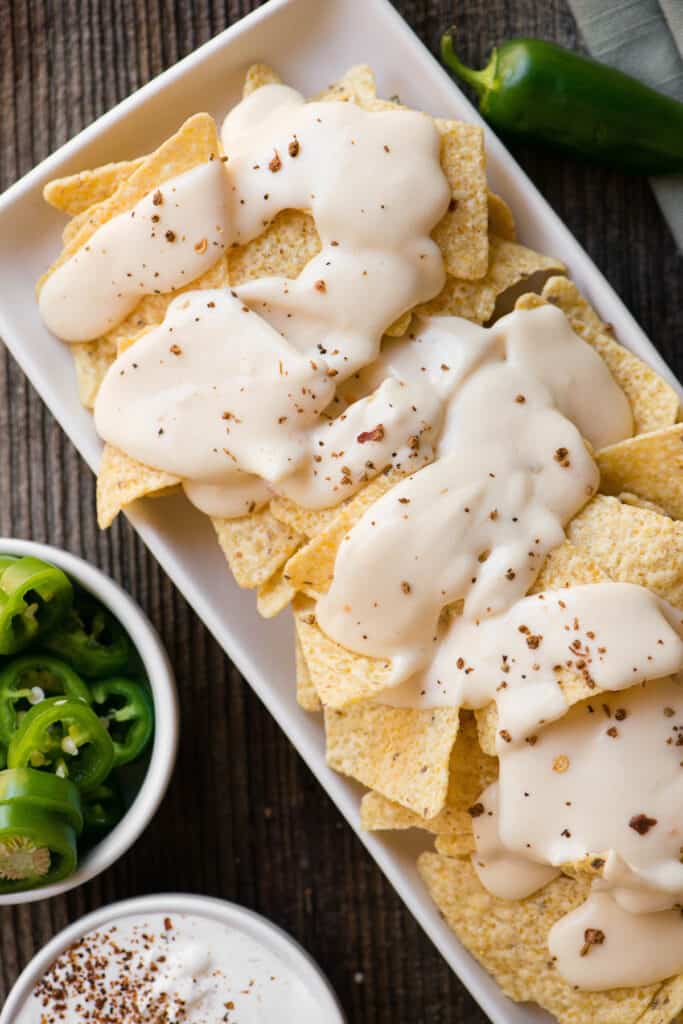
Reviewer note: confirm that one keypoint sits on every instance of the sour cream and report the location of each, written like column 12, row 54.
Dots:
column 177, row 967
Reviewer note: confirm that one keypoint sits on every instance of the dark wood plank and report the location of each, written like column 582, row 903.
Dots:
column 244, row 819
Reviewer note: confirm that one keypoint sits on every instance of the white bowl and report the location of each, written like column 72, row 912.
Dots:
column 282, row 945
column 157, row 666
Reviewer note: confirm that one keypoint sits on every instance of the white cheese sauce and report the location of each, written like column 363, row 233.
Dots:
column 184, row 968
column 283, row 387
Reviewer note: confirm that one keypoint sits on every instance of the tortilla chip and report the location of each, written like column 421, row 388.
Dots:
column 462, row 234
column 255, row 545
column 470, row 772
column 121, row 481
column 501, row 220
column 565, row 566
column 274, row 595
column 192, row 144
column 258, row 75
column 93, row 358
column 456, row 844
column 666, row 1005
column 399, row 752
column 357, row 85
column 476, row 300
column 312, row 568
column 509, row 938
column 307, row 521
column 340, row 676
column 649, row 465
column 285, row 247
column 632, row 499
column 306, row 693
column 78, row 192
column 654, row 403
column 632, row 545
column 400, row 326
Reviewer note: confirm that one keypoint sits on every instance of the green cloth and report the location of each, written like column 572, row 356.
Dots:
column 643, row 38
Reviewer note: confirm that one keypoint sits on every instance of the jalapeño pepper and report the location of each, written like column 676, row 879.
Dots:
column 539, row 92
column 90, row 639
column 102, row 809
column 36, row 848
column 26, row 680
column 63, row 735
column 45, row 793
column 34, row 596
column 128, row 708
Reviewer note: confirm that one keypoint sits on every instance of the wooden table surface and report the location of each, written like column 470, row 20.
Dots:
column 244, row 819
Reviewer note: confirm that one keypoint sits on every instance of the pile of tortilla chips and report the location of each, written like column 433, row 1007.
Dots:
column 423, row 769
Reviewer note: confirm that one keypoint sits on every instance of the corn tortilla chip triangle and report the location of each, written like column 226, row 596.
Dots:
column 566, row 566
column 632, row 545
column 255, row 545
column 121, row 481
column 509, row 938
column 654, row 403
column 312, row 568
column 402, row 753
column 194, row 143
column 470, row 771
column 78, row 192
column 274, row 595
column 649, row 465
column 509, row 265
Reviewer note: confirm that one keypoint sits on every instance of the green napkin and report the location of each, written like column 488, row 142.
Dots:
column 643, row 38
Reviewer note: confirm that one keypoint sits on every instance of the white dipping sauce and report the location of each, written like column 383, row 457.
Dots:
column 175, row 968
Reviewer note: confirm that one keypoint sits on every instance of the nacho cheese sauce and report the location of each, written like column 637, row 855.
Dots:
column 285, row 387
column 179, row 969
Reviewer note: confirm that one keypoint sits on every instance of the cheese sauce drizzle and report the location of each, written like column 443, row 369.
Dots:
column 279, row 386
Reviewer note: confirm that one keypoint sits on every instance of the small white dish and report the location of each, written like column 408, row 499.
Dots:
column 160, row 674
column 284, row 949
column 310, row 43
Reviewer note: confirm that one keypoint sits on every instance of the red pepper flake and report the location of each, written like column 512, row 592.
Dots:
column 510, row 575
column 533, row 641
column 505, row 735
column 476, row 810
column 641, row 824
column 170, row 236
column 168, row 924
column 460, row 663
column 294, row 148
column 591, row 937
column 275, row 164
column 201, row 246
column 376, row 434
column 176, row 350
column 562, row 456
column 331, row 372
column 669, row 712
column 320, row 286
column 620, row 714
column 520, row 399
column 386, row 148
column 613, row 731
column 157, row 198
column 406, row 587
column 493, row 515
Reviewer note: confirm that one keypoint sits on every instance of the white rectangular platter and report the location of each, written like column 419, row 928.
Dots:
column 310, row 42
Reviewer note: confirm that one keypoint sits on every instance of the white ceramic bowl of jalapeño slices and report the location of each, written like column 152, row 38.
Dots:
column 150, row 776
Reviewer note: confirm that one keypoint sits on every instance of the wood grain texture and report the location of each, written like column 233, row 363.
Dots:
column 244, row 819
